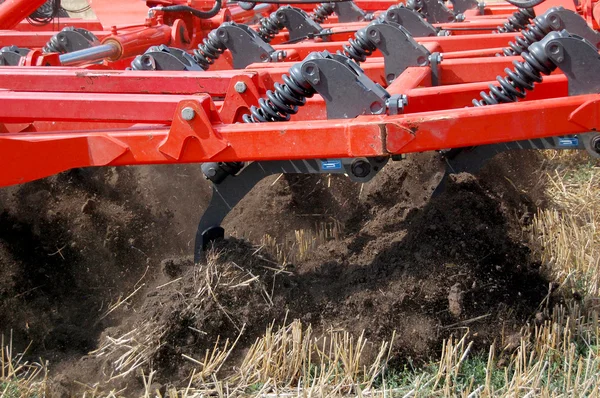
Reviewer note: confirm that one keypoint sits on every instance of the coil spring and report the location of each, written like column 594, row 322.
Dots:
column 514, row 85
column 360, row 47
column 518, row 21
column 209, row 50
column 54, row 45
column 269, row 27
column 534, row 33
column 284, row 100
column 323, row 11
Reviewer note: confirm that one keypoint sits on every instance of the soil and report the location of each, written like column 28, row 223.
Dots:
column 74, row 244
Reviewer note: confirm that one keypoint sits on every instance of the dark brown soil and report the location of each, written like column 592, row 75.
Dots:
column 71, row 245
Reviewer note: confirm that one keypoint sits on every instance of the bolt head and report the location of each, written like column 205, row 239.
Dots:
column 240, row 87
column 188, row 114
column 596, row 144
column 360, row 168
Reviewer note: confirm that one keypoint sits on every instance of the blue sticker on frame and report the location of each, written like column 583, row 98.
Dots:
column 568, row 141
column 331, row 164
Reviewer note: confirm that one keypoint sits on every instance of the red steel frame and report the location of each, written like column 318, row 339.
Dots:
column 56, row 119
column 437, row 119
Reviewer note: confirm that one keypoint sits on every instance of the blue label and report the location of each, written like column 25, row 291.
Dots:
column 568, row 141
column 331, row 164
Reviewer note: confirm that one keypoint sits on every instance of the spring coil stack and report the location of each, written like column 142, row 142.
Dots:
column 54, row 46
column 322, row 12
column 522, row 78
column 518, row 21
column 359, row 48
column 269, row 27
column 209, row 50
column 532, row 34
column 284, row 100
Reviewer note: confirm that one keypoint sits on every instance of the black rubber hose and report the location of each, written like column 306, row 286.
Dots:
column 197, row 13
column 525, row 4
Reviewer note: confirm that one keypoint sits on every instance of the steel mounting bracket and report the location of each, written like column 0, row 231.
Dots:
column 348, row 92
column 434, row 11
column 410, row 20
column 398, row 47
column 297, row 22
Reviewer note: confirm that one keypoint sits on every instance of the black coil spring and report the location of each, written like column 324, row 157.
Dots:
column 532, row 34
column 269, row 27
column 518, row 21
column 360, row 47
column 514, row 85
column 54, row 45
column 209, row 50
column 283, row 101
column 322, row 12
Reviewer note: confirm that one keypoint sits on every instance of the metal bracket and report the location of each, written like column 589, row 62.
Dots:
column 434, row 10
column 398, row 47
column 577, row 58
column 348, row 11
column 434, row 62
column 165, row 58
column 297, row 22
column 481, row 7
column 194, row 119
column 246, row 46
column 232, row 189
column 560, row 18
column 410, row 20
column 11, row 55
column 348, row 92
column 71, row 39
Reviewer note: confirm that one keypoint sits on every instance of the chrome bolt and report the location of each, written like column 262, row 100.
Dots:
column 240, row 87
column 188, row 114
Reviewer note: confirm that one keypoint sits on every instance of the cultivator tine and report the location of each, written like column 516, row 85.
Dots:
column 180, row 102
column 472, row 160
column 229, row 190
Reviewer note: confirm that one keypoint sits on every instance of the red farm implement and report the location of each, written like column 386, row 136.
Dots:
column 249, row 90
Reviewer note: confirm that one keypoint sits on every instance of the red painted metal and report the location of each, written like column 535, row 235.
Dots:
column 14, row 11
column 27, row 156
column 59, row 24
column 55, row 119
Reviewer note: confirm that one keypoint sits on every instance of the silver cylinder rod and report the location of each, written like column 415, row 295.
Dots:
column 91, row 54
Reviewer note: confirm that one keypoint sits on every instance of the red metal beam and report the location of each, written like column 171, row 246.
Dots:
column 14, row 11
column 25, row 157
